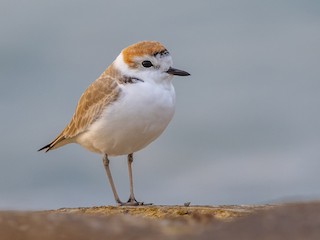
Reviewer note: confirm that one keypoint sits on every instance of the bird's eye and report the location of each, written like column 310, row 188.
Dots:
column 147, row 64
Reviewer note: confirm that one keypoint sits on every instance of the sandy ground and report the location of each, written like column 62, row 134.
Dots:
column 286, row 221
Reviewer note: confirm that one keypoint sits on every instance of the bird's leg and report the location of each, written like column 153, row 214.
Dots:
column 132, row 200
column 108, row 172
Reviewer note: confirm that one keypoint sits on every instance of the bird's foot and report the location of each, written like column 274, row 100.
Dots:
column 133, row 202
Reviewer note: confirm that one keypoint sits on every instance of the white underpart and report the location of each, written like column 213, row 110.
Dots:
column 139, row 116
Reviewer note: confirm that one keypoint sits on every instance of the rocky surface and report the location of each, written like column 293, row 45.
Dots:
column 286, row 221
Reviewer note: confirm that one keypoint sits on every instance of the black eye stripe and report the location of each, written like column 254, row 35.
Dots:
column 163, row 52
column 146, row 64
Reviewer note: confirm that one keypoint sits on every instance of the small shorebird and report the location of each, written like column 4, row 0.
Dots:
column 124, row 109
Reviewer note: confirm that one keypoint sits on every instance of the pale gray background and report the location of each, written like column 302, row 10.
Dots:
column 246, row 129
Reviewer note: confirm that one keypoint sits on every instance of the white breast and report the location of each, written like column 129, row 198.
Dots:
column 139, row 116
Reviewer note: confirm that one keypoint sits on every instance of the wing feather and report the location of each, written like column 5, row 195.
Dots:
column 102, row 92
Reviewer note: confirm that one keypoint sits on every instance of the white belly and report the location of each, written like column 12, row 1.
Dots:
column 137, row 118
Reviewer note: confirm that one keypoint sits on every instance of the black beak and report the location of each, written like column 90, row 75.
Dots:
column 177, row 72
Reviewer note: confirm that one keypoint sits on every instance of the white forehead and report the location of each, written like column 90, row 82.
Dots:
column 164, row 58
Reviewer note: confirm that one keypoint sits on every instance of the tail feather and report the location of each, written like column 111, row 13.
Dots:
column 47, row 147
column 58, row 142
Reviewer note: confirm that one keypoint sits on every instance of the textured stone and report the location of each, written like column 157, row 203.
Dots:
column 287, row 221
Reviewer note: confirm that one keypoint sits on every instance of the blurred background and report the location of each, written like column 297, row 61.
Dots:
column 246, row 128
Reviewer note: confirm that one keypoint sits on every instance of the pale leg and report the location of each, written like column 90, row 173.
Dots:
column 108, row 172
column 132, row 199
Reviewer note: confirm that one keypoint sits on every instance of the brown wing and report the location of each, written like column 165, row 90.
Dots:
column 100, row 93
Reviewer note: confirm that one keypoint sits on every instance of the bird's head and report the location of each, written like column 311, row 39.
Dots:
column 147, row 60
